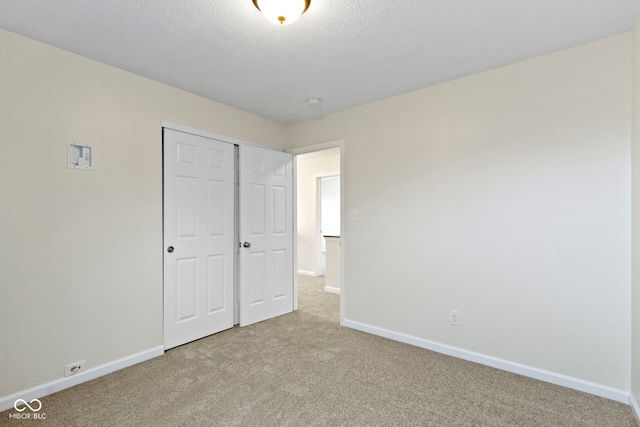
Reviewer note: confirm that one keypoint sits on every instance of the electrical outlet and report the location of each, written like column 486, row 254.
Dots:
column 454, row 317
column 75, row 368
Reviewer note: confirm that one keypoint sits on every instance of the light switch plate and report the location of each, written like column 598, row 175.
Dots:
column 352, row 215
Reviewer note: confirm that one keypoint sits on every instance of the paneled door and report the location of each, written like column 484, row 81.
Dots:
column 266, row 234
column 199, row 236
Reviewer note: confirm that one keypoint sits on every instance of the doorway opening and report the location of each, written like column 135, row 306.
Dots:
column 320, row 237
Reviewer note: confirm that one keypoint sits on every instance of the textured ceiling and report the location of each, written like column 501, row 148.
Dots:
column 345, row 52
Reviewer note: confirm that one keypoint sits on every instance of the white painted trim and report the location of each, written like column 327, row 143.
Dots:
column 46, row 389
column 317, row 233
column 505, row 365
column 332, row 290
column 211, row 135
column 306, row 273
column 634, row 407
column 294, row 232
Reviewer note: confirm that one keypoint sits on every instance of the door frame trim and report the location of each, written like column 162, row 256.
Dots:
column 344, row 232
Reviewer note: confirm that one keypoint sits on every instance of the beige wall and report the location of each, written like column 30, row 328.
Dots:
column 504, row 195
column 310, row 167
column 81, row 252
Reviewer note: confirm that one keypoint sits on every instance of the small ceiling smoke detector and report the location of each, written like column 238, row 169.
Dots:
column 313, row 102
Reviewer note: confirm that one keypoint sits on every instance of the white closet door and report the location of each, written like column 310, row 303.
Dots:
column 199, row 237
column 266, row 234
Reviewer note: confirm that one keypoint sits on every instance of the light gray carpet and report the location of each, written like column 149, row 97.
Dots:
column 303, row 369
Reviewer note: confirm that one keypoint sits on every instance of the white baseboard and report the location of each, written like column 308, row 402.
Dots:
column 505, row 365
column 46, row 389
column 332, row 290
column 634, row 407
column 306, row 273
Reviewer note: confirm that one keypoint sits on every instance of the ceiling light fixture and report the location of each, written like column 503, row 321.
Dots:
column 282, row 11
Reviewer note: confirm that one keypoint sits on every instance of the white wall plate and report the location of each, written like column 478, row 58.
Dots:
column 79, row 156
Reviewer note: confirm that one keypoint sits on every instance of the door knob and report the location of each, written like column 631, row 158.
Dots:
column 246, row 244
column 170, row 249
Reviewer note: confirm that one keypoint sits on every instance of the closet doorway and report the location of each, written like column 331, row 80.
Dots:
column 228, row 234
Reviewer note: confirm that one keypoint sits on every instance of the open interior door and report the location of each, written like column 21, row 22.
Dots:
column 266, row 234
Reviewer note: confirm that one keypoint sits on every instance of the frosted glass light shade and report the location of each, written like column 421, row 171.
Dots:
column 282, row 11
